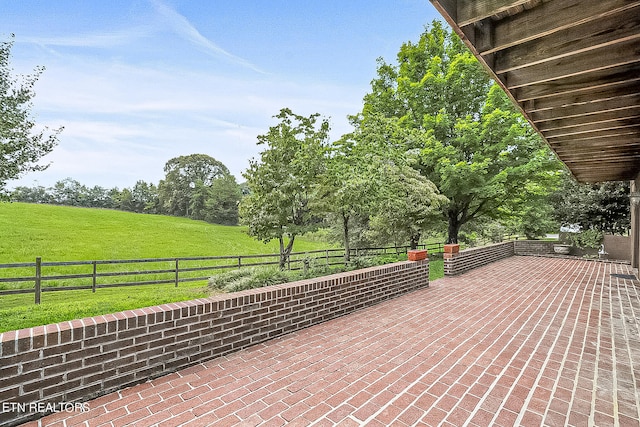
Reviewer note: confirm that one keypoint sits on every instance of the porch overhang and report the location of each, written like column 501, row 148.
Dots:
column 573, row 68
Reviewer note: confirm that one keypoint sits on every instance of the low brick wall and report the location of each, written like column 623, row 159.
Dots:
column 75, row 361
column 469, row 259
column 534, row 247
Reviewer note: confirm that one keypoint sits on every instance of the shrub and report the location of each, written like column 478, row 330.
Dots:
column 257, row 277
column 587, row 239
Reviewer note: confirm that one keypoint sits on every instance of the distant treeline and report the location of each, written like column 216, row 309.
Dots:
column 195, row 186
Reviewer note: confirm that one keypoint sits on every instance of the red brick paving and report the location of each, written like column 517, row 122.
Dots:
column 523, row 341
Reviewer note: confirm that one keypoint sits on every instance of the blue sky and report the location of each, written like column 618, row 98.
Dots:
column 138, row 82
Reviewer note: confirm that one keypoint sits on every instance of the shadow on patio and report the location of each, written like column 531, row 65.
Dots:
column 522, row 341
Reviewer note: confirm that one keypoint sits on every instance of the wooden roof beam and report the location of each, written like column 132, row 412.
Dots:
column 551, row 17
column 630, row 141
column 470, row 11
column 601, row 59
column 586, row 157
column 615, row 28
column 615, row 90
column 603, row 118
column 581, row 84
column 631, row 131
column 630, row 101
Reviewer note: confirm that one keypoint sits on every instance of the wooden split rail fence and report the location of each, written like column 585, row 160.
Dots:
column 16, row 278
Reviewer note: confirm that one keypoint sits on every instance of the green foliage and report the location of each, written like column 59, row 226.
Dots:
column 371, row 190
column 536, row 221
column 467, row 137
column 604, row 207
column 191, row 188
column 221, row 207
column 281, row 184
column 250, row 278
column 257, row 277
column 195, row 186
column 410, row 204
column 21, row 145
column 587, row 239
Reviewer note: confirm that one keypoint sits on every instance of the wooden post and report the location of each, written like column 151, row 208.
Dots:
column 327, row 255
column 93, row 283
column 177, row 272
column 38, row 283
column 239, row 261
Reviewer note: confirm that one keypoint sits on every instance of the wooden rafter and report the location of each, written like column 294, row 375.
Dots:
column 573, row 68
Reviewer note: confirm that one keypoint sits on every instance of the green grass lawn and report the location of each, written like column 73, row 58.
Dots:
column 58, row 233
column 62, row 233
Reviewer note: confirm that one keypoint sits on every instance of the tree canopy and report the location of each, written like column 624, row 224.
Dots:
column 368, row 179
column 22, row 145
column 603, row 207
column 194, row 184
column 281, row 183
column 469, row 140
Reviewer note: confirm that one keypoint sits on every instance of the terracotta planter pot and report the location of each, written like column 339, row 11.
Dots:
column 451, row 248
column 417, row 255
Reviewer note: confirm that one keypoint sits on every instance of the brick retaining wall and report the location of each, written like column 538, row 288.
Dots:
column 82, row 359
column 469, row 259
column 534, row 247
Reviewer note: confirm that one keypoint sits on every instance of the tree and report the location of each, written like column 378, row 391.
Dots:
column 144, row 197
column 70, row 192
column 367, row 176
column 408, row 206
column 188, row 179
column 603, row 207
column 221, row 206
column 37, row 194
column 472, row 144
column 282, row 182
column 21, row 144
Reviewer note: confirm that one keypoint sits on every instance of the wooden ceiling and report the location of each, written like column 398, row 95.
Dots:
column 573, row 68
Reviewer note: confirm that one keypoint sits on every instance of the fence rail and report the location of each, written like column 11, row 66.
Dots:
column 84, row 275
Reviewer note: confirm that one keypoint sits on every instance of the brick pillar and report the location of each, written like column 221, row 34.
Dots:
column 635, row 224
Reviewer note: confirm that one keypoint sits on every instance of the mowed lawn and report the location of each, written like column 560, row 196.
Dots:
column 60, row 233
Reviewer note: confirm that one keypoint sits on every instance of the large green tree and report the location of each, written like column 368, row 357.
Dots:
column 22, row 145
column 368, row 177
column 190, row 184
column 282, row 183
column 470, row 141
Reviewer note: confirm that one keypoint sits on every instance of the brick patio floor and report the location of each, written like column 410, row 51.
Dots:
column 524, row 341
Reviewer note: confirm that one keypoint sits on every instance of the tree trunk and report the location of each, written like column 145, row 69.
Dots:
column 345, row 238
column 283, row 260
column 454, row 228
column 285, row 251
column 415, row 239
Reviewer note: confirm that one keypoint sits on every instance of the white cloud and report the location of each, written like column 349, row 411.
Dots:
column 125, row 118
column 185, row 29
column 100, row 40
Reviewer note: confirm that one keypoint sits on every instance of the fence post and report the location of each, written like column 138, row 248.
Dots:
column 177, row 272
column 38, row 283
column 239, row 261
column 93, row 283
column 327, row 257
